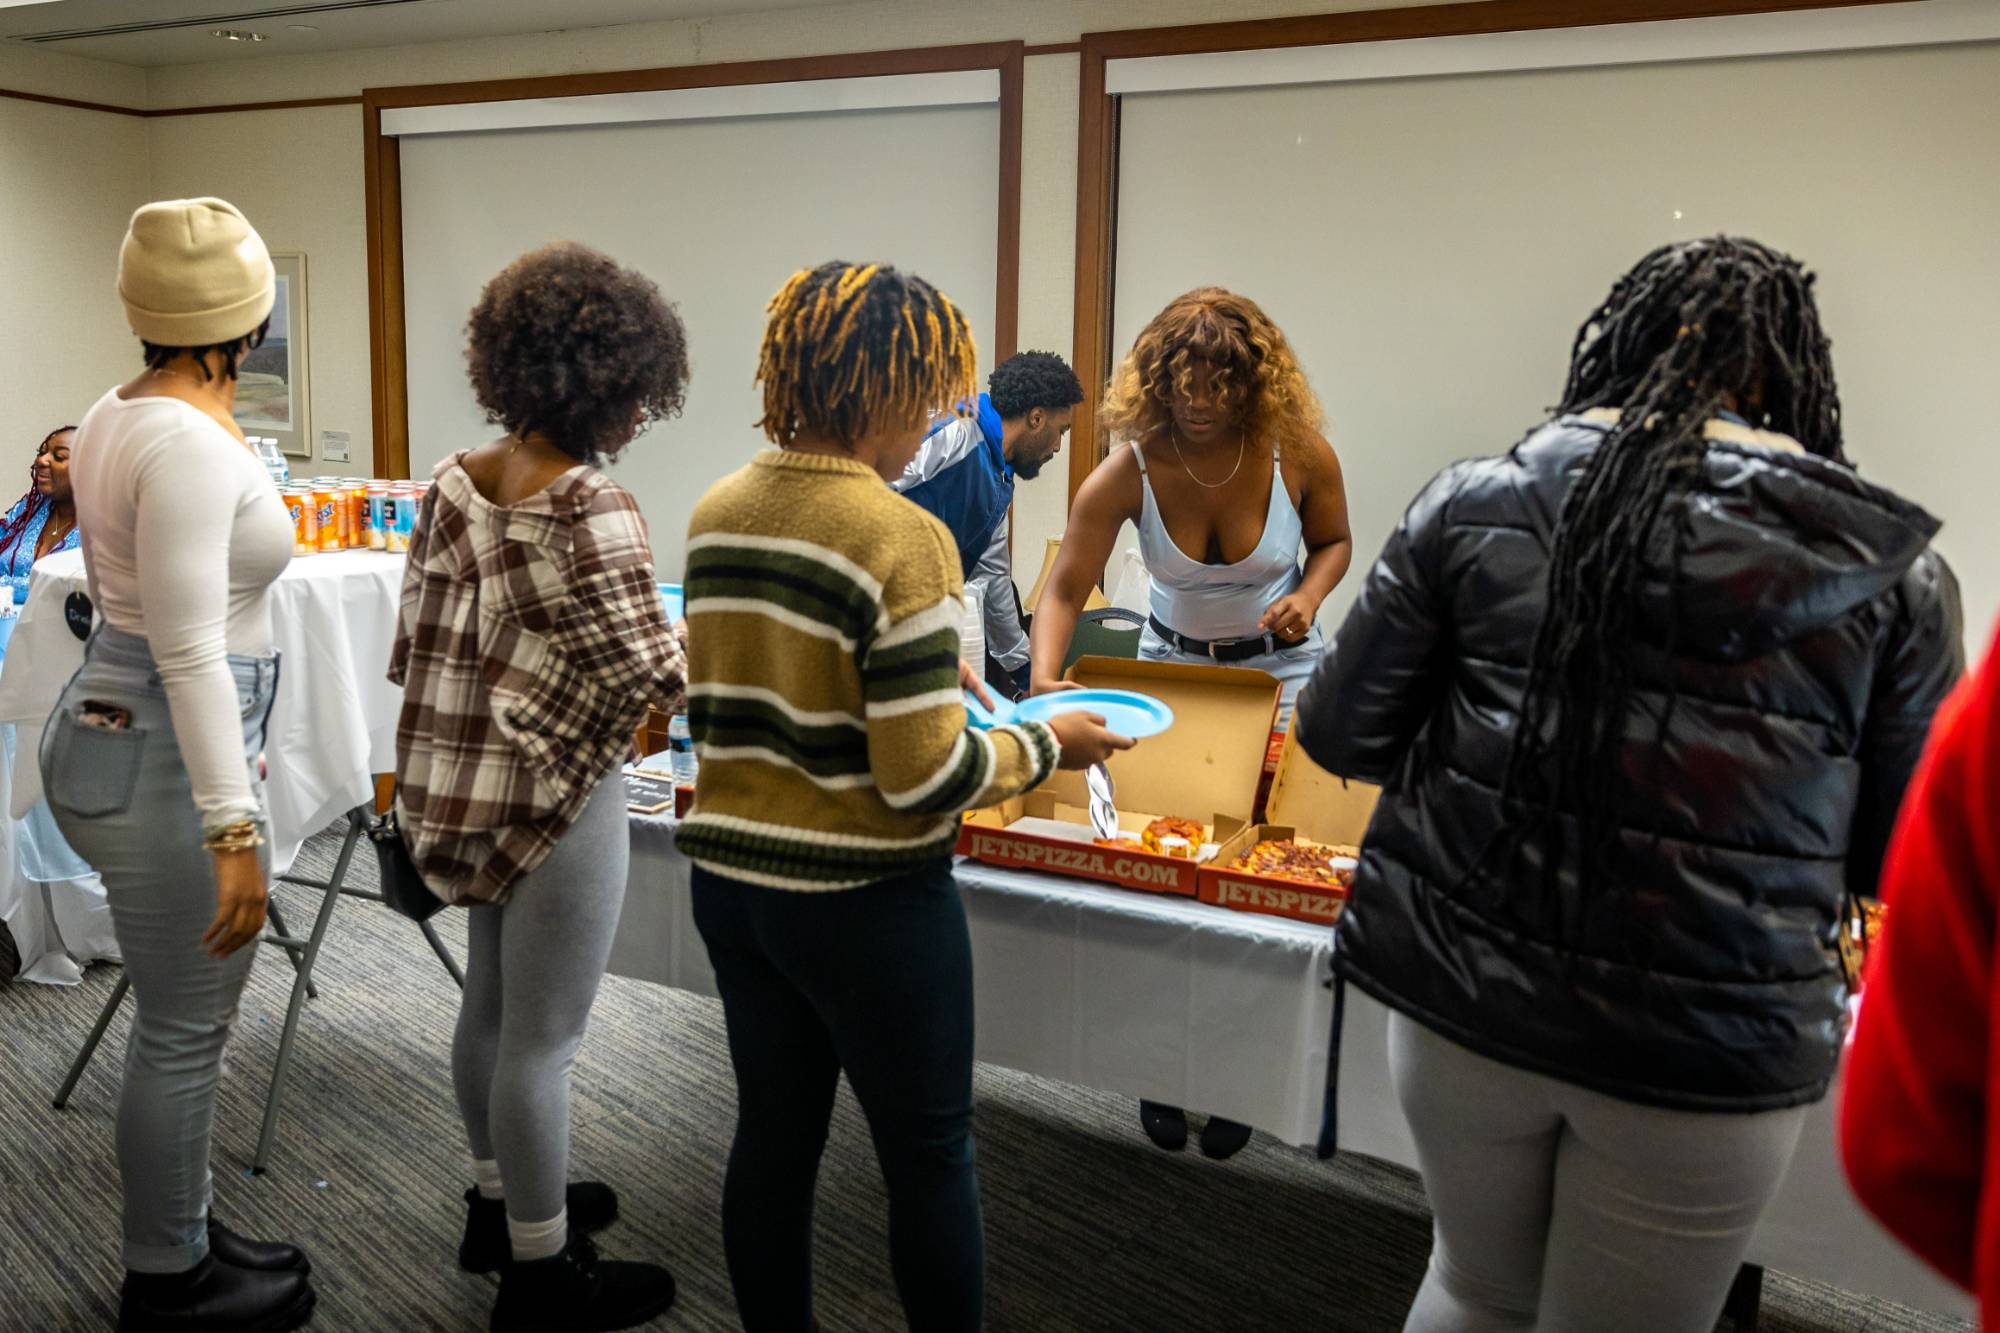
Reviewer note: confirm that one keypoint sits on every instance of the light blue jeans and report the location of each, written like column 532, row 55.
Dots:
column 122, row 799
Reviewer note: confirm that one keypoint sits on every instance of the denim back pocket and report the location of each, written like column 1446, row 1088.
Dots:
column 90, row 771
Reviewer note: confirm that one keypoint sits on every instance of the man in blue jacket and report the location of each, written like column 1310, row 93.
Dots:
column 965, row 475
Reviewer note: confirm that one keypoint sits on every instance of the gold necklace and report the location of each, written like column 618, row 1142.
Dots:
column 1242, row 448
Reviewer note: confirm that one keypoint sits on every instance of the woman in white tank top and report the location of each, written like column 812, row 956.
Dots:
column 1237, row 496
column 1242, row 522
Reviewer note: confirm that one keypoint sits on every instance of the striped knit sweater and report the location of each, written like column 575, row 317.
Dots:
column 823, row 618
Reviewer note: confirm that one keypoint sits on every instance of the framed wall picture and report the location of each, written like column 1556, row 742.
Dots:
column 272, row 396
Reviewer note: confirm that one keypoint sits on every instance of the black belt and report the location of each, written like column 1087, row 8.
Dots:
column 1219, row 650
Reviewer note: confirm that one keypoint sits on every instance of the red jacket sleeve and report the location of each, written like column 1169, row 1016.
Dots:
column 1913, row 1127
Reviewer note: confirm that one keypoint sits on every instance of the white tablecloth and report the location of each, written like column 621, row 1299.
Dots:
column 334, row 723
column 1230, row 1013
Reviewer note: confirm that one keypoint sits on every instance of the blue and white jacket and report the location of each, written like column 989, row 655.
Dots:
column 961, row 475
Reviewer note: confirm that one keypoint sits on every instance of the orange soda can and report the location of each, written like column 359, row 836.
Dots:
column 305, row 520
column 330, row 506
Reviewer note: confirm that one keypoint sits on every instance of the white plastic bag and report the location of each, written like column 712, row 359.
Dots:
column 1133, row 588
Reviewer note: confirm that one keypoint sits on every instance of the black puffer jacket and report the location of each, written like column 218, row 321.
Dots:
column 1817, row 635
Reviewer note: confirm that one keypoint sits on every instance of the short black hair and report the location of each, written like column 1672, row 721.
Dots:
column 234, row 352
column 1032, row 379
column 566, row 342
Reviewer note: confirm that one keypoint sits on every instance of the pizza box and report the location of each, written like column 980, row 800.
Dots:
column 1206, row 766
column 1306, row 802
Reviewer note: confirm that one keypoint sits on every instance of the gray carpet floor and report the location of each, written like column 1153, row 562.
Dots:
column 1088, row 1226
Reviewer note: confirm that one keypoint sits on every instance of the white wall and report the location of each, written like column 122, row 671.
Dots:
column 297, row 175
column 1049, row 128
column 1431, row 245
column 69, row 180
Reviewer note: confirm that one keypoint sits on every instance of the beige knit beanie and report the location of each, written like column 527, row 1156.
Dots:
column 194, row 273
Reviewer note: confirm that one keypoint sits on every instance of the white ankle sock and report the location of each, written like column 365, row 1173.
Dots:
column 487, row 1174
column 539, row 1240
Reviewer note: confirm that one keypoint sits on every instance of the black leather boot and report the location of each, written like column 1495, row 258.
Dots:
column 1222, row 1139
column 486, row 1249
column 577, row 1292
column 214, row 1297
column 264, row 1256
column 1165, row 1125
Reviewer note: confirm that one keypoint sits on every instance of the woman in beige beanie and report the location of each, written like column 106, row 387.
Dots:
column 152, row 760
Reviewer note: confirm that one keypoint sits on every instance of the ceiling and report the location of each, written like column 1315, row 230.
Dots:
column 180, row 32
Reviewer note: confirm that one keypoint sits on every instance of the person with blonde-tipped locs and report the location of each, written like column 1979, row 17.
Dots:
column 823, row 618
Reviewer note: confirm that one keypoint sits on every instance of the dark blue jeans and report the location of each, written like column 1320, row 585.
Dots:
column 876, row 981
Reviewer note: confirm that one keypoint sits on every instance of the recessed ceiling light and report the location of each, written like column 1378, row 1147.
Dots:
column 300, row 27
column 236, row 34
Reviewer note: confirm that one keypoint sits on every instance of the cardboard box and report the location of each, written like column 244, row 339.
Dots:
column 1306, row 802
column 1205, row 767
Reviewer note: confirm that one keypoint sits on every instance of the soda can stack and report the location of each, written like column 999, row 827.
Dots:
column 352, row 514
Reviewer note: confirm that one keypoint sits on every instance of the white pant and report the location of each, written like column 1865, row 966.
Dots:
column 1570, row 1211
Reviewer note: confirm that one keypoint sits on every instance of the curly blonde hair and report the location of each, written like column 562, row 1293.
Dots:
column 1255, row 374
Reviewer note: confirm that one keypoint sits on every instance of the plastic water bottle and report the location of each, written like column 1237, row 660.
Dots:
column 273, row 459
column 680, row 744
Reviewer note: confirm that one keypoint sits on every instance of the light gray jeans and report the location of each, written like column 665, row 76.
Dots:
column 123, row 802
column 1569, row 1211
column 530, row 978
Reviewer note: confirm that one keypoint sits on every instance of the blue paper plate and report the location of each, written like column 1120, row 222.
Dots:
column 1125, row 712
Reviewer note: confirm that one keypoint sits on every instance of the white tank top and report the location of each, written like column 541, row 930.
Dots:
column 1220, row 602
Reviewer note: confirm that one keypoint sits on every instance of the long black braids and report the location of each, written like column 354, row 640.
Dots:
column 1694, row 328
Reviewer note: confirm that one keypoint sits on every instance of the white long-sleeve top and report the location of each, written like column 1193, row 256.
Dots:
column 183, row 535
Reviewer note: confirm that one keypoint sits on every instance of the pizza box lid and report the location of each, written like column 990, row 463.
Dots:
column 1321, row 807
column 1209, row 763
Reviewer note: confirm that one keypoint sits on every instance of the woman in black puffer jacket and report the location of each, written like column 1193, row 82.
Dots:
column 1642, row 694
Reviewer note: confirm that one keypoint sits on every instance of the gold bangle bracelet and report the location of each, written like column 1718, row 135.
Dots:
column 242, row 836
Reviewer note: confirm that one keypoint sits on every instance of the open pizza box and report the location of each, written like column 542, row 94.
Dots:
column 1205, row 767
column 1306, row 803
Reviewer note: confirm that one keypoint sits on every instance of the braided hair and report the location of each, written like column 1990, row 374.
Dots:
column 1695, row 328
column 33, row 503
column 850, row 349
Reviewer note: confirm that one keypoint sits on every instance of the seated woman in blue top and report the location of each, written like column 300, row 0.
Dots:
column 41, row 522
column 44, row 520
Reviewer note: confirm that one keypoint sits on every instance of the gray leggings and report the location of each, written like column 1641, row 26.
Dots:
column 531, row 977
column 1569, row 1211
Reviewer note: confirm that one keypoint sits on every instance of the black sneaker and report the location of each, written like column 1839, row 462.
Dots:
column 486, row 1249
column 263, row 1256
column 1165, row 1125
column 577, row 1292
column 1223, row 1139
column 214, row 1297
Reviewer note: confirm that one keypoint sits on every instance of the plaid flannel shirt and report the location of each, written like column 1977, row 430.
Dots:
column 530, row 642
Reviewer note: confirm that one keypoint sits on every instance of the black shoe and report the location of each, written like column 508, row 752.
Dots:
column 1165, row 1125
column 263, row 1256
column 486, row 1249
column 577, row 1292
column 214, row 1297
column 1222, row 1139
